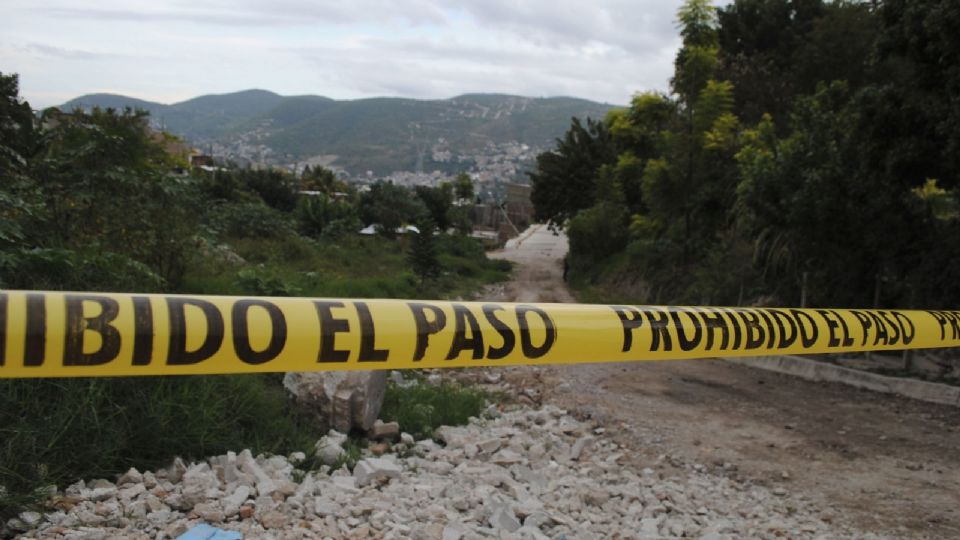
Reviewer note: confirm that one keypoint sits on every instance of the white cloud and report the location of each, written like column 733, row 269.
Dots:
column 168, row 50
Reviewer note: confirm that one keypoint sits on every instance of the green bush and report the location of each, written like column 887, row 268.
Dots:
column 55, row 431
column 249, row 220
column 422, row 408
column 320, row 215
column 276, row 188
column 65, row 269
column 259, row 283
column 598, row 232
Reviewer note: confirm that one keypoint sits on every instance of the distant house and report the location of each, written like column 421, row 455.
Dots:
column 509, row 217
column 371, row 229
column 201, row 160
column 518, row 205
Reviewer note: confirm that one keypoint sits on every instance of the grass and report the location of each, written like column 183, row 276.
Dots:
column 353, row 452
column 353, row 267
column 422, row 408
column 54, row 431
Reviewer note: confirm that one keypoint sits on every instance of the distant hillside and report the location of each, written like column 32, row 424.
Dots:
column 382, row 135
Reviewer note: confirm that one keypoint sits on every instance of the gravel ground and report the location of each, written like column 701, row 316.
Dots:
column 527, row 473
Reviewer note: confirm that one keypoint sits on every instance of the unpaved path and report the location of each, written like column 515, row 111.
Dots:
column 879, row 463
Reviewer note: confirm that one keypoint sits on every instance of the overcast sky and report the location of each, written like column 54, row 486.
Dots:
column 171, row 50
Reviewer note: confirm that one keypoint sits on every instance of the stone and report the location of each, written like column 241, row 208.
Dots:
column 578, row 447
column 452, row 437
column 101, row 494
column 154, row 504
column 379, row 449
column 454, row 531
column 649, row 528
column 15, row 524
column 506, row 457
column 426, row 446
column 345, row 483
column 246, row 512
column 375, row 469
column 531, row 533
column 274, row 520
column 30, row 519
column 329, row 449
column 102, row 483
column 503, row 519
column 537, row 520
column 132, row 476
column 265, row 484
column 176, row 530
column 233, row 502
column 159, row 517
column 137, row 509
column 343, row 400
column 595, row 497
column 325, row 507
column 176, row 471
column 489, row 446
column 132, row 492
column 384, row 431
column 209, row 512
column 229, row 464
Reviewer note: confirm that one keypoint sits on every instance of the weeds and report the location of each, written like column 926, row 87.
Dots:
column 58, row 430
column 422, row 408
column 353, row 452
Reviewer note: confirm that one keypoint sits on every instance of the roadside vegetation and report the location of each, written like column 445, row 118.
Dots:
column 97, row 201
column 422, row 407
column 805, row 149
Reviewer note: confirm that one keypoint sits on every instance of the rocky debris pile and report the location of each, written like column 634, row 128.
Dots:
column 527, row 474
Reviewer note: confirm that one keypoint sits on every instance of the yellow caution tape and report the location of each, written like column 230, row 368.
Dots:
column 53, row 334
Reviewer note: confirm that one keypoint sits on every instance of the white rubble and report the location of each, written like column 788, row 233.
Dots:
column 528, row 474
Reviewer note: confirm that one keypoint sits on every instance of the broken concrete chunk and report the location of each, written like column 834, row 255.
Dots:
column 371, row 470
column 578, row 447
column 384, row 431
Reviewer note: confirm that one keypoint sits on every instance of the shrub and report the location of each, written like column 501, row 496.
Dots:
column 248, row 220
column 55, row 431
column 422, row 408
column 598, row 232
column 276, row 188
column 65, row 269
column 260, row 283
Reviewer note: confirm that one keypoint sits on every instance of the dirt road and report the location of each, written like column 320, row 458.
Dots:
column 878, row 463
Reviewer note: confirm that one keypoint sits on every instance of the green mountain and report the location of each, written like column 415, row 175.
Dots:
column 382, row 135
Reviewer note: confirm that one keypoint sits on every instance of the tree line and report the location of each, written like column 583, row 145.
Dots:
column 807, row 148
column 97, row 201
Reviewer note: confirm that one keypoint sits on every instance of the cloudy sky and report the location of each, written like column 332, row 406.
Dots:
column 171, row 50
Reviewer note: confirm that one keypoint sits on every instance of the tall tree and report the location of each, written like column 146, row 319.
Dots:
column 423, row 252
column 564, row 181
